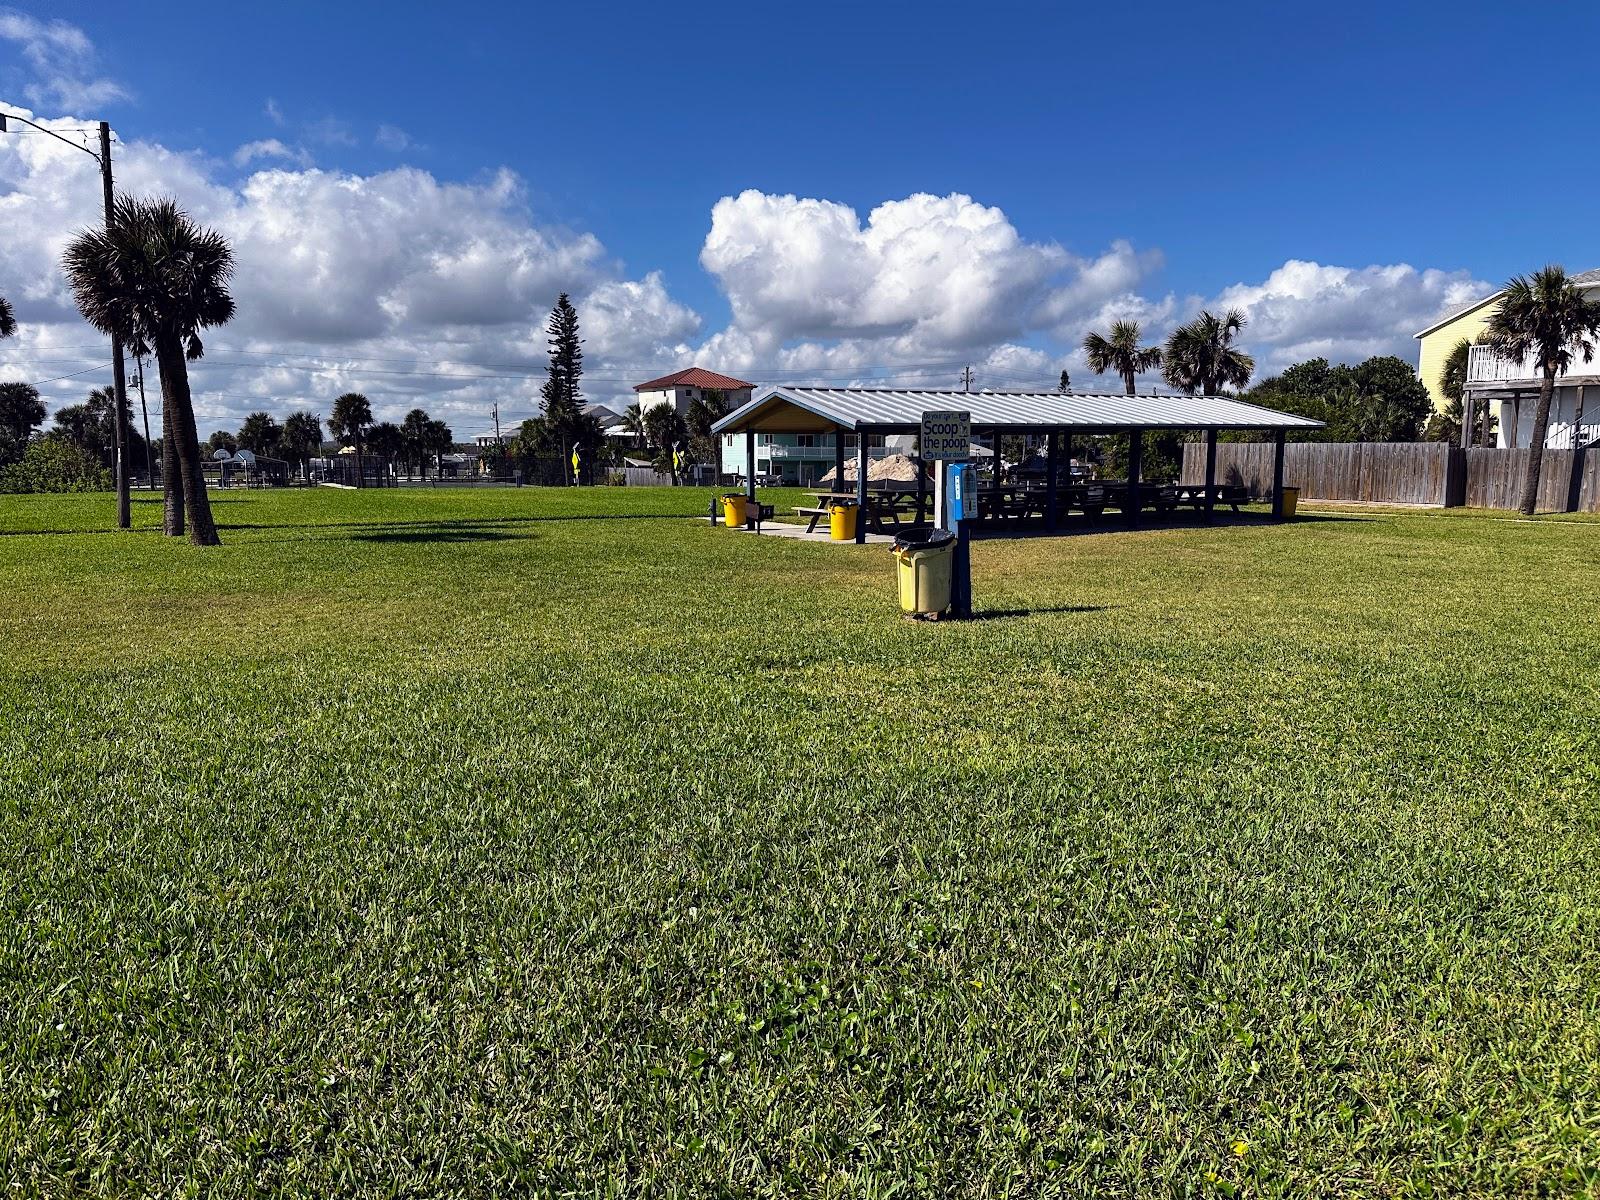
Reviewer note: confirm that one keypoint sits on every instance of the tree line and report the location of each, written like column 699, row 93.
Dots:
column 156, row 279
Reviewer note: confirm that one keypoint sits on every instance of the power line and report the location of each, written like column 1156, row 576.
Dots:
column 74, row 375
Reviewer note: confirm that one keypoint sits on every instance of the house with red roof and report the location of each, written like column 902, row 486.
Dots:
column 682, row 387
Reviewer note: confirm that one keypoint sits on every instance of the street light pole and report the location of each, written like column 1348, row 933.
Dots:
column 119, row 379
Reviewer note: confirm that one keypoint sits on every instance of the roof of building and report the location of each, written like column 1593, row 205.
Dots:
column 1582, row 278
column 694, row 377
column 808, row 410
column 607, row 415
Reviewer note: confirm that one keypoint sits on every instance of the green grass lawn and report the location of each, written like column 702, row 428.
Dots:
column 426, row 843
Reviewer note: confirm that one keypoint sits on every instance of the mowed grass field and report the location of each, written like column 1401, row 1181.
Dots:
column 432, row 843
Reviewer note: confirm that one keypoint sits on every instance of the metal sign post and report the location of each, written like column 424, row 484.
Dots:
column 946, row 441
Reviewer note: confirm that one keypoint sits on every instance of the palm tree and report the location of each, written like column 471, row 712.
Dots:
column 302, row 437
column 633, row 421
column 1121, row 353
column 1547, row 316
column 155, row 279
column 387, row 442
column 437, row 441
column 8, row 320
column 1200, row 356
column 348, row 423
column 1455, row 419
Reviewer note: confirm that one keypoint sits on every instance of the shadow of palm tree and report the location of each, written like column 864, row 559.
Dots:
column 401, row 536
column 1001, row 614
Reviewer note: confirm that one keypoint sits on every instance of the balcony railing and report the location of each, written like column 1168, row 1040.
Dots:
column 1485, row 366
column 818, row 453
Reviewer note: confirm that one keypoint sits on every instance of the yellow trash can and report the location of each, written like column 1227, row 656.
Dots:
column 1291, row 501
column 735, row 506
column 924, row 558
column 842, row 522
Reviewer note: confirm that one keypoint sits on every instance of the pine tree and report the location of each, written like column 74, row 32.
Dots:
column 563, row 401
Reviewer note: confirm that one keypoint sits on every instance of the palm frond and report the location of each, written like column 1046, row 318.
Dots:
column 8, row 319
column 1547, row 316
column 152, row 274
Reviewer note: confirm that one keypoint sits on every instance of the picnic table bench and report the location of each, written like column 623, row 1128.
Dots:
column 880, row 504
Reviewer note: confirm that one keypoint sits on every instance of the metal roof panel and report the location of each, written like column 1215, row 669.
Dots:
column 869, row 408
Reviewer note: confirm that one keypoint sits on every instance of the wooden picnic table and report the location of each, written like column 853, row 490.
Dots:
column 880, row 504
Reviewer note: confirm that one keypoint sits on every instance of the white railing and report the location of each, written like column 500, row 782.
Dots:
column 1567, row 436
column 1485, row 366
column 779, row 450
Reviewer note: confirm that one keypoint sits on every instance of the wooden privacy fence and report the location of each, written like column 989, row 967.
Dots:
column 1431, row 473
column 1375, row 472
column 645, row 477
column 1495, row 479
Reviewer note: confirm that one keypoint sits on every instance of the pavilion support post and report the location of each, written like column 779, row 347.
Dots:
column 1135, row 470
column 861, row 486
column 1050, row 452
column 750, row 464
column 838, row 459
column 1066, row 459
column 994, row 504
column 1211, row 474
column 922, row 486
column 1278, row 439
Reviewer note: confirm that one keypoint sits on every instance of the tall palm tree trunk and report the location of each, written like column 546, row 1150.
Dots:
column 361, row 469
column 176, row 397
column 171, row 475
column 1127, row 381
column 1541, row 419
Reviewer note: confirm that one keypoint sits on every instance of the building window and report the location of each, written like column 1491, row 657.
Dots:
column 805, row 439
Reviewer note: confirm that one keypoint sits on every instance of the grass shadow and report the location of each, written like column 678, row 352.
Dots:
column 1113, row 523
column 419, row 536
column 463, row 523
column 1001, row 614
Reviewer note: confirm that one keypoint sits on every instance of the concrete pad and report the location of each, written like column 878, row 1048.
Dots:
column 820, row 534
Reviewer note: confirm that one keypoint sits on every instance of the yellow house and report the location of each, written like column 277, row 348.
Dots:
column 1510, row 387
column 1439, row 339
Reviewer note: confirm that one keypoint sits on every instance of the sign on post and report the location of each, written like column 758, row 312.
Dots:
column 946, row 436
column 947, row 442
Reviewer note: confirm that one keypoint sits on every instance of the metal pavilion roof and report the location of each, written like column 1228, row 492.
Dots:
column 786, row 409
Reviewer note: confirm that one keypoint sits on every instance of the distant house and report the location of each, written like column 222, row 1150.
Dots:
column 1512, row 387
column 682, row 387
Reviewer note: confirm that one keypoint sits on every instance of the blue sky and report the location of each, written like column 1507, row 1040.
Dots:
column 1172, row 151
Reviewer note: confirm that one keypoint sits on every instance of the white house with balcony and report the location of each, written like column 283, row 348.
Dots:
column 682, row 388
column 1512, row 388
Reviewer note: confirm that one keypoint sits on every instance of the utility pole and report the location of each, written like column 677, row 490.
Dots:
column 496, row 411
column 119, row 375
column 119, row 380
column 966, row 379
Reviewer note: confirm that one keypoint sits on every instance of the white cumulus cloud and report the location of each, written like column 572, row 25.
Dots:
column 1308, row 310
column 412, row 289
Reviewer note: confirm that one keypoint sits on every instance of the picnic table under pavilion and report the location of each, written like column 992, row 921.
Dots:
column 1057, row 416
